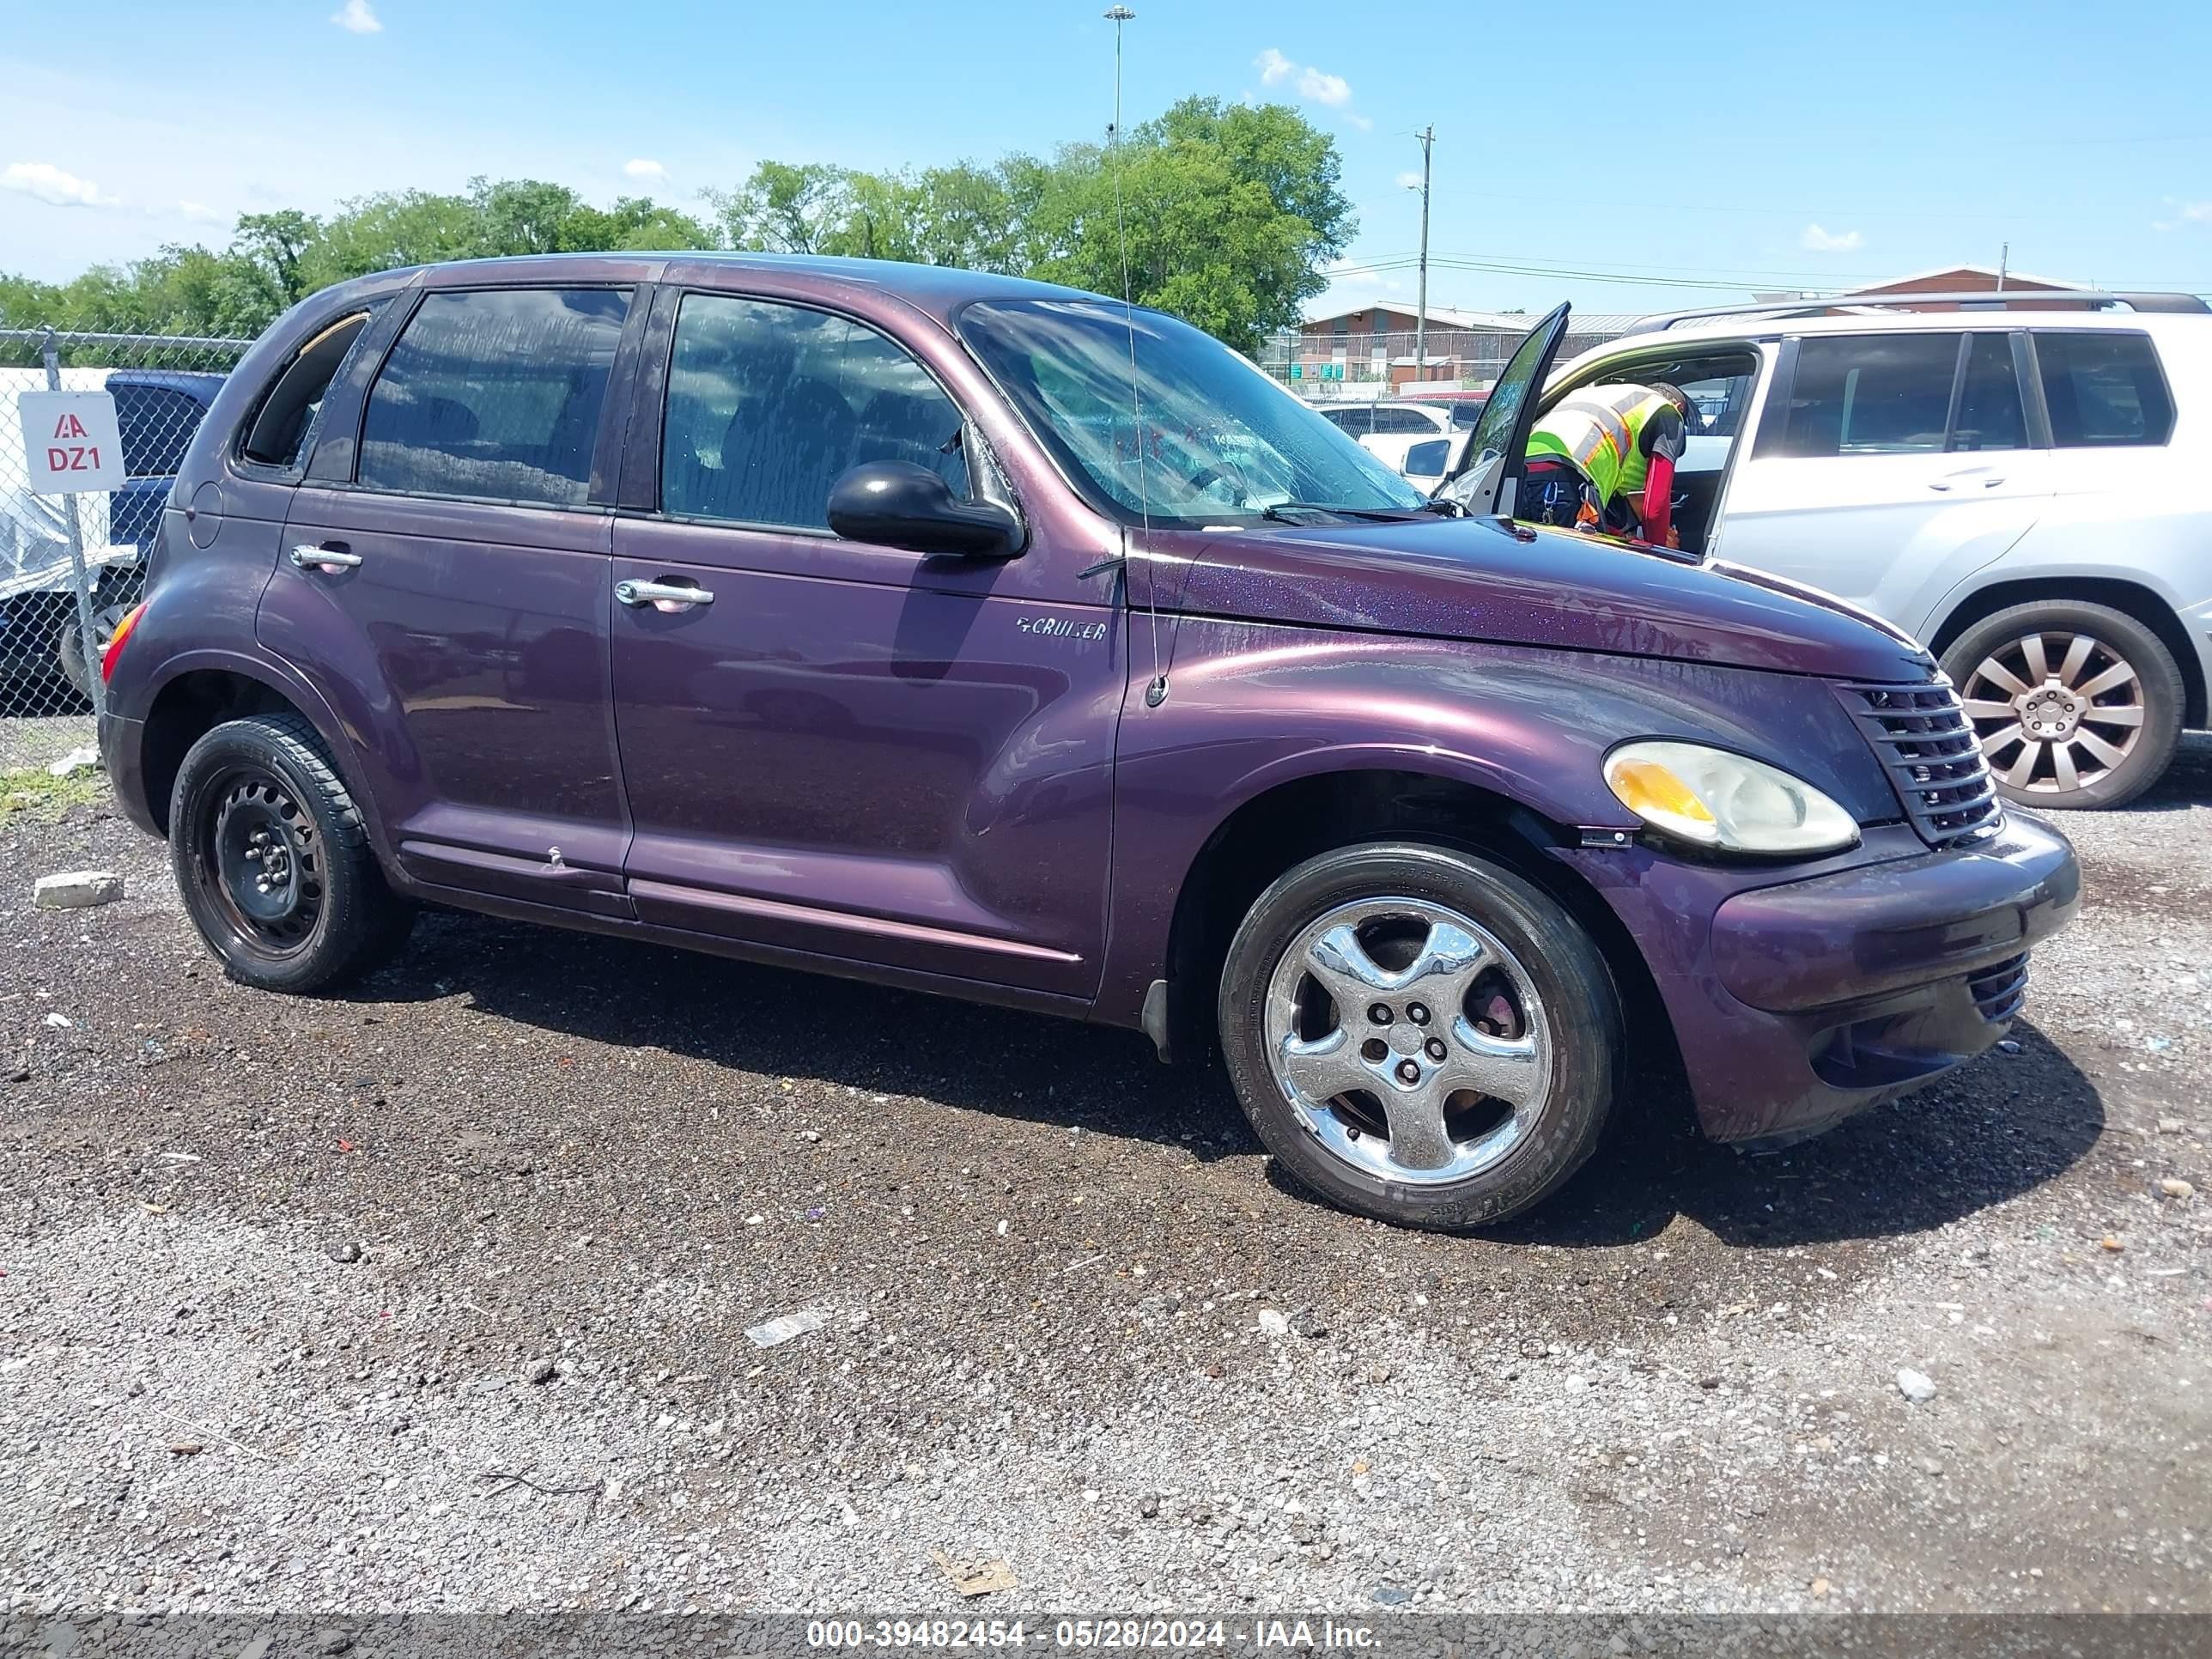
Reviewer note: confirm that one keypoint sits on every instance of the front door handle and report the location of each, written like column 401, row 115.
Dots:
column 329, row 559
column 1990, row 482
column 662, row 596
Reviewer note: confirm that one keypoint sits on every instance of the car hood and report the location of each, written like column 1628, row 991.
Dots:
column 1486, row 579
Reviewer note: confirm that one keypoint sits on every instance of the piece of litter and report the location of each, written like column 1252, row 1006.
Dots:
column 2174, row 1187
column 784, row 1327
column 181, row 1158
column 76, row 890
column 60, row 1022
column 83, row 759
column 976, row 1577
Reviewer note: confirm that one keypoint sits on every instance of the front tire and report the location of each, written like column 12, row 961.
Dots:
column 274, row 861
column 1420, row 1035
column 2075, row 705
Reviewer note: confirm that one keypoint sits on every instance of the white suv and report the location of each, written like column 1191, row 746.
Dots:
column 2010, row 483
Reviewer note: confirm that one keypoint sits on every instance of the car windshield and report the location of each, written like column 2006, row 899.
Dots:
column 1220, row 440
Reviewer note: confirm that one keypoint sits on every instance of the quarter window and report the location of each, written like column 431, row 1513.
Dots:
column 768, row 405
column 2102, row 388
column 494, row 395
column 1870, row 394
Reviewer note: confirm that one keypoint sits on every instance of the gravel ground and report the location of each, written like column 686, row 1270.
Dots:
column 436, row 1297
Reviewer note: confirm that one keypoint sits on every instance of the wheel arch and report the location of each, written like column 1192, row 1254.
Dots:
column 2131, row 598
column 201, row 694
column 1283, row 824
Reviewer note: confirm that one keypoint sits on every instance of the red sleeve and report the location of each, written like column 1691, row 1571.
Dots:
column 1658, row 499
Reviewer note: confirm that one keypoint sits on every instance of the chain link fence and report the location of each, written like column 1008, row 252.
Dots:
column 70, row 566
column 1399, row 363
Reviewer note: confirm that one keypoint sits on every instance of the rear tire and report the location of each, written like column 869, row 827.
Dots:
column 274, row 862
column 1420, row 1035
column 2078, row 706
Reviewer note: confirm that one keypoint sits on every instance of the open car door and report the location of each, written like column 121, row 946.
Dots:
column 1489, row 468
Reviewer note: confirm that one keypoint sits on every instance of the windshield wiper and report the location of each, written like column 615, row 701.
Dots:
column 1280, row 512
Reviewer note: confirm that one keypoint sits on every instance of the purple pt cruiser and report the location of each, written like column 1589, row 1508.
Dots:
column 986, row 637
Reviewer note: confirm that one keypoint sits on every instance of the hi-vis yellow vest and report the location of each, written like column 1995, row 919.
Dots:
column 1600, row 429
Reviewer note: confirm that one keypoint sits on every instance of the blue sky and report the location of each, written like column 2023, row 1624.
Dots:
column 1744, row 146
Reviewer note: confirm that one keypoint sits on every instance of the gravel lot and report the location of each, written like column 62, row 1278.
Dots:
column 436, row 1297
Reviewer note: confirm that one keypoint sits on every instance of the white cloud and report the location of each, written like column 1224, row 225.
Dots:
column 1830, row 241
column 641, row 168
column 201, row 213
column 358, row 17
column 1323, row 88
column 49, row 184
column 1312, row 83
column 2184, row 213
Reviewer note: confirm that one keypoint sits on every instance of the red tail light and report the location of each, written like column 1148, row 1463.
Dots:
column 115, row 642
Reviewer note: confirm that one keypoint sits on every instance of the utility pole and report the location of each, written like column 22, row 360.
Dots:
column 2004, row 264
column 1421, row 313
column 1118, row 15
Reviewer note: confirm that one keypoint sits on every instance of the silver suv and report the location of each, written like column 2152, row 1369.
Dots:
column 2003, row 476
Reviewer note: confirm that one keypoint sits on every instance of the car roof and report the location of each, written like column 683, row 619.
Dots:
column 1758, row 327
column 941, row 289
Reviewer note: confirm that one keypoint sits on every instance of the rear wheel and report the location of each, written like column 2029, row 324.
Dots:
column 2075, row 705
column 273, row 859
column 1420, row 1035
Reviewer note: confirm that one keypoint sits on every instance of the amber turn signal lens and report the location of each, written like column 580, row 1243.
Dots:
column 115, row 642
column 1650, row 790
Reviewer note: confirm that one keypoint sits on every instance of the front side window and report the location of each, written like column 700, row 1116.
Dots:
column 770, row 405
column 494, row 395
column 2102, row 388
column 1165, row 422
column 1870, row 394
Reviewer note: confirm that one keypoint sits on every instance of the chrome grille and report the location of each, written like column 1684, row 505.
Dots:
column 1998, row 991
column 1931, row 754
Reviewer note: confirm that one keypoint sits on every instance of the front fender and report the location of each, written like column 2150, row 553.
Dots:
column 1252, row 707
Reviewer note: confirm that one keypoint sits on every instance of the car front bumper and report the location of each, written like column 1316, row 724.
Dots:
column 1796, row 1003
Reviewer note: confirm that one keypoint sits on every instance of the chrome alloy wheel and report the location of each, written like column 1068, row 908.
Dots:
column 1408, row 1040
column 2055, row 712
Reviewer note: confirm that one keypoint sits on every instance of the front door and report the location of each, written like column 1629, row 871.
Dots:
column 456, row 594
column 1889, row 467
column 855, row 752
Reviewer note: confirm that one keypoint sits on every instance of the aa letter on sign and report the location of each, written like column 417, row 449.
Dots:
column 70, row 443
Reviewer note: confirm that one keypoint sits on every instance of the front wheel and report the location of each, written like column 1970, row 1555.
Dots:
column 1418, row 1035
column 2075, row 705
column 274, row 862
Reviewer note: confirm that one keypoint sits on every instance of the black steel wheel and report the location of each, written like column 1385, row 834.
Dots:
column 273, row 860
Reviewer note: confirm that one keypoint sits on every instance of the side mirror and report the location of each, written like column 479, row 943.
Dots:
column 898, row 504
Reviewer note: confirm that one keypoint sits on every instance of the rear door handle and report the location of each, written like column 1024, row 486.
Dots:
column 328, row 559
column 662, row 596
column 1945, row 484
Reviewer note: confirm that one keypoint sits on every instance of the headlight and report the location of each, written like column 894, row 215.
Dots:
column 1711, row 798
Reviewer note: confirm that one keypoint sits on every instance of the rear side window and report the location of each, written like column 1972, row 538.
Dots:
column 157, row 424
column 1870, row 394
column 1357, row 423
column 2102, row 388
column 768, row 405
column 1398, row 422
column 494, row 396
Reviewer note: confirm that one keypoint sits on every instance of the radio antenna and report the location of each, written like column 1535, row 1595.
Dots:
column 1156, row 690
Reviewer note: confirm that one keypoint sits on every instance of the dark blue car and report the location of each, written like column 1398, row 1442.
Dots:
column 157, row 410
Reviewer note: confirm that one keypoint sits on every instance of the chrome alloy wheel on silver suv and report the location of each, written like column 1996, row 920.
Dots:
column 1409, row 1041
column 1420, row 1034
column 2075, row 704
column 2054, row 711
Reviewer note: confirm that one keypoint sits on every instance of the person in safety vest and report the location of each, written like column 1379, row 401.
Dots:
column 1604, row 457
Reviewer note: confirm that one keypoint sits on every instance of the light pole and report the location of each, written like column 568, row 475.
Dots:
column 1428, row 137
column 1118, row 15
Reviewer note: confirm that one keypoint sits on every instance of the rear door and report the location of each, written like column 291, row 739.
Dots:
column 852, row 751
column 1887, row 467
column 455, row 591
